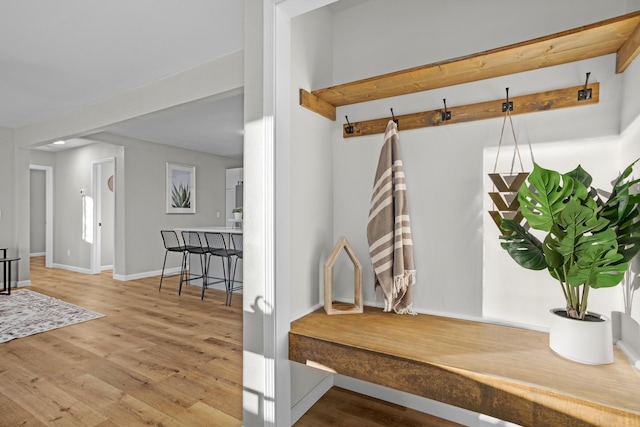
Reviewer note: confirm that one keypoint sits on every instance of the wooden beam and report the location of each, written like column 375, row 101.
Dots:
column 501, row 371
column 543, row 101
column 629, row 50
column 317, row 105
column 601, row 38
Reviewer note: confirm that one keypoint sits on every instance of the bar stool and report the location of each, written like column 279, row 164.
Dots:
column 172, row 244
column 217, row 246
column 193, row 246
column 236, row 241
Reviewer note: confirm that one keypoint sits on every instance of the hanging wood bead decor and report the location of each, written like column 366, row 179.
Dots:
column 505, row 199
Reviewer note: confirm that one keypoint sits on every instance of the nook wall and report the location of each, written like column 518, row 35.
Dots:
column 444, row 165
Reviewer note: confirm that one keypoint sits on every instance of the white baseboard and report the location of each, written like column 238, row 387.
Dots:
column 20, row 284
column 34, row 254
column 300, row 408
column 72, row 268
column 634, row 359
column 304, row 313
column 167, row 272
column 106, row 267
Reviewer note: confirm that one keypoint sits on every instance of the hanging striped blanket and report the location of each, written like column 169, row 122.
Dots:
column 389, row 231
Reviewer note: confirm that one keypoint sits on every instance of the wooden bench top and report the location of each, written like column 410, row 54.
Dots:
column 505, row 372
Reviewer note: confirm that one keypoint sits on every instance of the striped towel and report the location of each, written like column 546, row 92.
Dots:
column 389, row 231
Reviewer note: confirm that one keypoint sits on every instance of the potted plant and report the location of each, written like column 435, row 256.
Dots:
column 237, row 213
column 588, row 244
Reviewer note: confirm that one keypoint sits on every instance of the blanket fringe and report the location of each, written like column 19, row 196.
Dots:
column 407, row 310
column 401, row 283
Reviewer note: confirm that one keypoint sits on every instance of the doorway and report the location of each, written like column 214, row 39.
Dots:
column 103, row 190
column 41, row 216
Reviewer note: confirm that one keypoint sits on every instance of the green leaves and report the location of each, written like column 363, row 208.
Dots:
column 523, row 247
column 589, row 241
column 542, row 203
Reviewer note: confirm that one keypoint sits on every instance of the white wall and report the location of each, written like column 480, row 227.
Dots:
column 311, row 178
column 311, row 162
column 73, row 236
column 630, row 151
column 443, row 165
column 145, row 201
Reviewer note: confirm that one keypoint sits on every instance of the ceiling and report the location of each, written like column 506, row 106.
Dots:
column 57, row 57
column 60, row 56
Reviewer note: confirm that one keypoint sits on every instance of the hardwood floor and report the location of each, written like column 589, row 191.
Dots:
column 340, row 407
column 156, row 359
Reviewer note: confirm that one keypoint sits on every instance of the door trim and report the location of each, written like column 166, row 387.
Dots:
column 48, row 177
column 96, row 191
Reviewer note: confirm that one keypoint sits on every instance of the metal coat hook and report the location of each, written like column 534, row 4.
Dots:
column 446, row 115
column 349, row 128
column 584, row 94
column 507, row 106
column 393, row 117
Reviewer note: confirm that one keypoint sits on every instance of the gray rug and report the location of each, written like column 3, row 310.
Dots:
column 25, row 313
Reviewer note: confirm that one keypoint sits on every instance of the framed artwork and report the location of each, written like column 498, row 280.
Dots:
column 181, row 189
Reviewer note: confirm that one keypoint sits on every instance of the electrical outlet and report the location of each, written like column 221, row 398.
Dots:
column 68, row 252
column 218, row 214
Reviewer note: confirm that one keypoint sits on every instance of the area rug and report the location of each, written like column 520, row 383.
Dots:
column 25, row 313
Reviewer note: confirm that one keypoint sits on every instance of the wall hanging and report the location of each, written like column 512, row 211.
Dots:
column 505, row 199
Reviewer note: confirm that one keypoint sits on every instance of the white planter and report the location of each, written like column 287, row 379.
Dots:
column 237, row 215
column 589, row 342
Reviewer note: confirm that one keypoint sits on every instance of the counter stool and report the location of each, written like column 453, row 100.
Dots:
column 217, row 246
column 172, row 244
column 193, row 246
column 236, row 241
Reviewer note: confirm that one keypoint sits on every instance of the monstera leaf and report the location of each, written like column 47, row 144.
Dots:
column 541, row 203
column 589, row 242
column 598, row 263
column 523, row 247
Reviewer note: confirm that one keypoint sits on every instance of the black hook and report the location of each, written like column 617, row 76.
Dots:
column 393, row 117
column 348, row 129
column 446, row 115
column 585, row 93
column 507, row 106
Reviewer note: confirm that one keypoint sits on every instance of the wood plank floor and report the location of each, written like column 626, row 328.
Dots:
column 156, row 359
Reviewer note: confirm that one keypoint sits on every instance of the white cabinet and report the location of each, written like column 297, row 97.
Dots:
column 234, row 177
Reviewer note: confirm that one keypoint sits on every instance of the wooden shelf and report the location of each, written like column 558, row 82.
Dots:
column 619, row 35
column 505, row 372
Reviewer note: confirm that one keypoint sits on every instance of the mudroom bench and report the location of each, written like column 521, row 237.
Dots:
column 501, row 371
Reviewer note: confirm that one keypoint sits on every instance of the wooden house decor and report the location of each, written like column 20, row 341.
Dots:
column 336, row 307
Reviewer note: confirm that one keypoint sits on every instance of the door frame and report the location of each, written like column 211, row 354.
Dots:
column 96, row 191
column 48, row 177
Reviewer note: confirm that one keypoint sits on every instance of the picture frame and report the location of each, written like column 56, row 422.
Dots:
column 180, row 189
